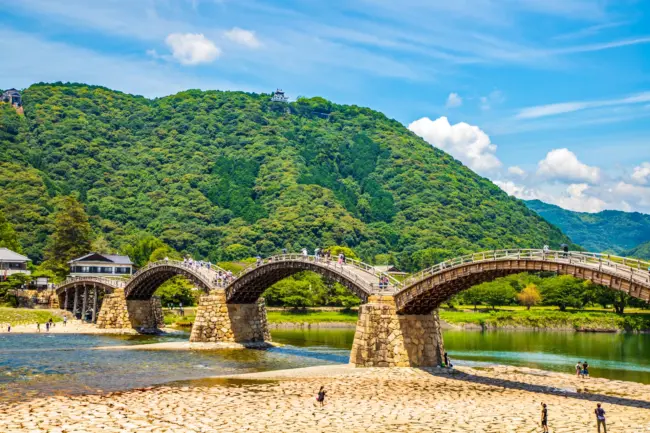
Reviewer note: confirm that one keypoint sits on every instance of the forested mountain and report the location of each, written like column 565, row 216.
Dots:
column 611, row 231
column 226, row 175
column 640, row 251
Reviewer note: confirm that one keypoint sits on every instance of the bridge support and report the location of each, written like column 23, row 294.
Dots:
column 385, row 339
column 217, row 321
column 119, row 313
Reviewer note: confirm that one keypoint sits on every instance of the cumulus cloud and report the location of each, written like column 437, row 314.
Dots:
column 454, row 100
column 575, row 199
column 641, row 173
column 517, row 171
column 243, row 37
column 465, row 142
column 635, row 193
column 192, row 48
column 520, row 191
column 563, row 165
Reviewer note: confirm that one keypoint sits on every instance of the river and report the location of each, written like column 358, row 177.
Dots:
column 45, row 364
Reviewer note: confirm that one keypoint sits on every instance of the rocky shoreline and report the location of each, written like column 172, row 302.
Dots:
column 495, row 399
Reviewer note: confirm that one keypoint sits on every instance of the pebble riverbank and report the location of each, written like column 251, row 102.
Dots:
column 499, row 399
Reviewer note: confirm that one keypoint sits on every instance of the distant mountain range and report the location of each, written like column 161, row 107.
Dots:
column 607, row 231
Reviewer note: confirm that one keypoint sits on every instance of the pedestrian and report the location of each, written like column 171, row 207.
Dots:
column 258, row 261
column 9, row 327
column 284, row 251
column 321, row 396
column 447, row 361
column 565, row 248
column 585, row 369
column 578, row 369
column 65, row 320
column 305, row 252
column 600, row 418
column 38, row 326
column 544, row 418
column 546, row 249
column 340, row 258
column 47, row 326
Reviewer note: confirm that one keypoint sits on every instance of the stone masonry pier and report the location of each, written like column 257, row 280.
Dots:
column 219, row 322
column 119, row 313
column 385, row 339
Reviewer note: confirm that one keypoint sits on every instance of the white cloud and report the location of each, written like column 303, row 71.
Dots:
column 520, row 191
column 575, row 199
column 466, row 142
column 192, row 48
column 454, row 100
column 495, row 97
column 517, row 171
column 635, row 193
column 641, row 173
column 569, row 107
column 562, row 164
column 243, row 37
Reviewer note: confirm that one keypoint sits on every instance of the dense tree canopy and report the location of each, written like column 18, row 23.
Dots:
column 228, row 175
column 606, row 231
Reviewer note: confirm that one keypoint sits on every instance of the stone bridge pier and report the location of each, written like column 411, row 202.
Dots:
column 386, row 339
column 217, row 321
column 117, row 312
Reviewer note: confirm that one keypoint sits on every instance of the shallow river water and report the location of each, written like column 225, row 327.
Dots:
column 42, row 364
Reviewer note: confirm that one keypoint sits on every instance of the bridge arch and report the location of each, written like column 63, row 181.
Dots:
column 84, row 296
column 144, row 283
column 427, row 290
column 250, row 284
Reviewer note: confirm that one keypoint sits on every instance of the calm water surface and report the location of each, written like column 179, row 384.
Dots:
column 42, row 364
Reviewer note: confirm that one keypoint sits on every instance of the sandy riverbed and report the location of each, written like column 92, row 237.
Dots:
column 499, row 399
column 72, row 327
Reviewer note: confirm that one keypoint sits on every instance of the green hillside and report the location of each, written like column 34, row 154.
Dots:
column 612, row 231
column 226, row 175
column 640, row 251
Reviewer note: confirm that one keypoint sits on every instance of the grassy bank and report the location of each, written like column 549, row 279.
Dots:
column 580, row 320
column 26, row 316
column 311, row 316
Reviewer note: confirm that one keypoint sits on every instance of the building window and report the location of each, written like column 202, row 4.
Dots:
column 106, row 270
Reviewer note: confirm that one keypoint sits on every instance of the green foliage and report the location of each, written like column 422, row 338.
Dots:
column 101, row 245
column 142, row 248
column 71, row 237
column 306, row 289
column 8, row 238
column 640, row 251
column 613, row 231
column 310, row 316
column 175, row 291
column 563, row 291
column 529, row 296
column 205, row 171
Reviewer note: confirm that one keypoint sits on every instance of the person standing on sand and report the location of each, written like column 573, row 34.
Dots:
column 321, row 396
column 600, row 418
column 38, row 326
column 65, row 320
column 578, row 369
column 9, row 327
column 585, row 369
column 544, row 419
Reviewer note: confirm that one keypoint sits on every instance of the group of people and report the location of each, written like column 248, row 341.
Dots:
column 599, row 412
column 223, row 278
column 171, row 307
column 582, row 369
column 196, row 264
column 565, row 250
column 49, row 324
column 383, row 282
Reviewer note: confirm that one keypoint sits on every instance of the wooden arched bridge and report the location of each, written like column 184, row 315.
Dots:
column 398, row 322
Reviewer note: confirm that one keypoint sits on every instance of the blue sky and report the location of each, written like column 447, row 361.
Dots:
column 548, row 98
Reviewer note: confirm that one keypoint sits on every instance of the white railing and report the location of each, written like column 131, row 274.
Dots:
column 625, row 267
column 113, row 282
column 347, row 269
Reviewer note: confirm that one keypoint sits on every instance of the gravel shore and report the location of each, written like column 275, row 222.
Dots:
column 499, row 399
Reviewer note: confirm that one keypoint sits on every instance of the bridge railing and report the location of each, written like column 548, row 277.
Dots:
column 346, row 268
column 113, row 282
column 626, row 267
column 207, row 273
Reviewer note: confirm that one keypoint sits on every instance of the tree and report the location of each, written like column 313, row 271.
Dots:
column 176, row 290
column 8, row 237
column 337, row 249
column 141, row 250
column 474, row 296
column 71, row 237
column 498, row 293
column 529, row 296
column 101, row 245
column 163, row 252
column 562, row 291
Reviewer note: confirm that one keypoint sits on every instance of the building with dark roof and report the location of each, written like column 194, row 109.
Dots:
column 12, row 96
column 12, row 263
column 101, row 265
